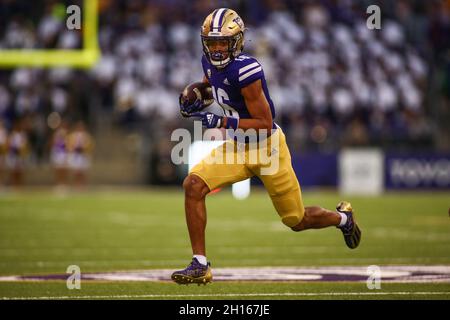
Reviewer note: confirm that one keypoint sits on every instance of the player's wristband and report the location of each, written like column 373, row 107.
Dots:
column 232, row 123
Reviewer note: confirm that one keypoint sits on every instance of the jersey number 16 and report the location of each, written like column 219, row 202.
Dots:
column 221, row 96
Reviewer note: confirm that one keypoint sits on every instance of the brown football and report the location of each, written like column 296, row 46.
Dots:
column 198, row 90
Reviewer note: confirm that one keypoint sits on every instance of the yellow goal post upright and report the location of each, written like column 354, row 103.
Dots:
column 85, row 57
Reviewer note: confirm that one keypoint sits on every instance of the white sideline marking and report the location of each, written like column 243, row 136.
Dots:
column 224, row 295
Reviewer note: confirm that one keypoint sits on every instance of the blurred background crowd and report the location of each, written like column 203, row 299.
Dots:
column 334, row 82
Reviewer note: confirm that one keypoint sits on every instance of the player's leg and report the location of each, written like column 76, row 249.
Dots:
column 204, row 177
column 211, row 173
column 197, row 271
column 285, row 192
column 281, row 182
column 343, row 218
column 317, row 218
column 195, row 208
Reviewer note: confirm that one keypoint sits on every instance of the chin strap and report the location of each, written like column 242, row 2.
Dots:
column 220, row 64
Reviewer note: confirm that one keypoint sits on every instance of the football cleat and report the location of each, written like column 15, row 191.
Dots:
column 195, row 272
column 351, row 231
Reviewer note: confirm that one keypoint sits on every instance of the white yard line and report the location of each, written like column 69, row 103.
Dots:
column 228, row 295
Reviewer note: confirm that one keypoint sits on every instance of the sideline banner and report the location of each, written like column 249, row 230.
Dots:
column 417, row 171
column 361, row 171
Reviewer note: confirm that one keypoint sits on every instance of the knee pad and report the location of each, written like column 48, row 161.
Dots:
column 289, row 207
column 285, row 193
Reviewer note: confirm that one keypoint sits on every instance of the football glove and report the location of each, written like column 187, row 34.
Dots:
column 209, row 120
column 187, row 109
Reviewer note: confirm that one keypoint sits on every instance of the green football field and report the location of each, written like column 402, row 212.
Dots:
column 42, row 233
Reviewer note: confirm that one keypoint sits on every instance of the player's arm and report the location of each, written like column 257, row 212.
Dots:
column 205, row 80
column 257, row 106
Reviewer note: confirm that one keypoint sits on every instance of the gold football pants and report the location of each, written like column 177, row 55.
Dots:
column 270, row 161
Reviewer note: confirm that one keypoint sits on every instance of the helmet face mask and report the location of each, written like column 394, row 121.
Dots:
column 222, row 37
column 220, row 50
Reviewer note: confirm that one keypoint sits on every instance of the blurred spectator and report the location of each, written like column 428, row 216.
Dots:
column 59, row 154
column 16, row 154
column 80, row 147
column 334, row 82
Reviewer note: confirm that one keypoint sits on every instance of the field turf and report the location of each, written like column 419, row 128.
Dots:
column 42, row 232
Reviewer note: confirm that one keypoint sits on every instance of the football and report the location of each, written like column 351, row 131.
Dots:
column 198, row 90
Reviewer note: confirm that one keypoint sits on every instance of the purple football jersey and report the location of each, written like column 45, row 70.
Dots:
column 227, row 84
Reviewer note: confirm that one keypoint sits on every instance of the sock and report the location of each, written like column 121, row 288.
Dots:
column 201, row 259
column 343, row 219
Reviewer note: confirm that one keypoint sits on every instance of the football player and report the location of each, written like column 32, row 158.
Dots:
column 240, row 88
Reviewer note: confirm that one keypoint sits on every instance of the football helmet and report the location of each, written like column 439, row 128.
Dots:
column 222, row 36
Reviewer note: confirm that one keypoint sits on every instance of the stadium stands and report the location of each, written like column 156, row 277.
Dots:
column 334, row 82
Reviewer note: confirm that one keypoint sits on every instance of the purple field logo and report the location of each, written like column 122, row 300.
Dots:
column 371, row 275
